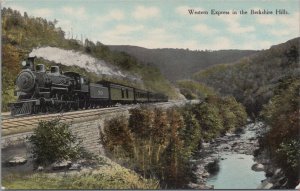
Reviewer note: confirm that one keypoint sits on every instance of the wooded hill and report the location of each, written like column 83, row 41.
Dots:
column 251, row 80
column 21, row 34
column 178, row 64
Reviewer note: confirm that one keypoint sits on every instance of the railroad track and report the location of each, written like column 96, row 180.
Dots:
column 28, row 123
column 12, row 125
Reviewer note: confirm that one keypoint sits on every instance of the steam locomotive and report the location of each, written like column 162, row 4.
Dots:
column 41, row 91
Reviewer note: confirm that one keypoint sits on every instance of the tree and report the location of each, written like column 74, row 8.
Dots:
column 191, row 133
column 53, row 141
column 116, row 137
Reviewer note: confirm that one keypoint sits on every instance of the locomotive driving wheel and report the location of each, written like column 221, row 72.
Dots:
column 65, row 104
column 36, row 109
column 55, row 105
column 82, row 102
column 76, row 103
column 43, row 107
column 58, row 103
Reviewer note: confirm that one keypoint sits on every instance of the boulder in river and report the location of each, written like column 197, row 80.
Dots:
column 61, row 165
column 17, row 160
column 258, row 167
column 40, row 168
column 223, row 147
column 265, row 185
column 75, row 166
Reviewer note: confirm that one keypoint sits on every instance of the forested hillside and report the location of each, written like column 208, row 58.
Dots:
column 178, row 64
column 21, row 34
column 268, row 85
column 252, row 80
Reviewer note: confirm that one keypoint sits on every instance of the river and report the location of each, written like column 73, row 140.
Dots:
column 234, row 155
column 235, row 173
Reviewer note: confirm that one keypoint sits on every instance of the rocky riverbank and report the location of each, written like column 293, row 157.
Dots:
column 245, row 142
column 275, row 177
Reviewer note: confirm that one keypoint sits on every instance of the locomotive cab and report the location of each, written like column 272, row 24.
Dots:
column 81, row 83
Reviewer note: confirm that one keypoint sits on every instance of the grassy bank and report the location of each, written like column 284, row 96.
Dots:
column 107, row 176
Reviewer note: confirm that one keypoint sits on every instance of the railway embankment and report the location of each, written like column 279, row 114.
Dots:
column 85, row 123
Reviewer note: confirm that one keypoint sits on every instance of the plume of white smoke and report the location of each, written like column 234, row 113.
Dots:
column 73, row 58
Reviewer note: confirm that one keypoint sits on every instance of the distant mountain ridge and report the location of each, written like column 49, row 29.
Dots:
column 176, row 64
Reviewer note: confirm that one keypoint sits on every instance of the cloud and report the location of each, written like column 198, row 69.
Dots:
column 266, row 19
column 233, row 24
column 142, row 12
column 43, row 12
column 290, row 20
column 113, row 15
column 119, row 34
column 66, row 25
column 204, row 29
column 283, row 32
column 148, row 37
column 237, row 29
column 231, row 20
column 256, row 45
column 222, row 43
column 19, row 8
column 287, row 25
column 126, row 29
column 77, row 12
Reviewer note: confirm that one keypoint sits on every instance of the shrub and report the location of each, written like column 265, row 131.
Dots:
column 116, row 137
column 217, row 115
column 209, row 119
column 191, row 133
column 53, row 141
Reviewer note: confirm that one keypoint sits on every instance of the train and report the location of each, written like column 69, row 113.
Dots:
column 52, row 91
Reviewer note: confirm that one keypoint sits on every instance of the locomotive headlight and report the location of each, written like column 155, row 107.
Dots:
column 23, row 63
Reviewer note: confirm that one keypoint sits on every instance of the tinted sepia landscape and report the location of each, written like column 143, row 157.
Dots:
column 230, row 121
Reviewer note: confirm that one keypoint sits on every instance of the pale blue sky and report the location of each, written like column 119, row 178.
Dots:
column 167, row 24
